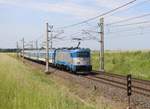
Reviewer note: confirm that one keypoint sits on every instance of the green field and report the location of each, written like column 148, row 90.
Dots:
column 135, row 63
column 22, row 87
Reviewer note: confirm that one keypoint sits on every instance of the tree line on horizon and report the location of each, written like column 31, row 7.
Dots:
column 8, row 50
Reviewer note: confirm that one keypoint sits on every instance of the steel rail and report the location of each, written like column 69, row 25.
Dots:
column 121, row 85
column 146, row 82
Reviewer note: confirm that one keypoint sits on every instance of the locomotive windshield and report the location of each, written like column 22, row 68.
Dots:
column 83, row 54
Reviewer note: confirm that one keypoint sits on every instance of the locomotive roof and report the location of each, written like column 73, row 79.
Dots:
column 61, row 49
column 73, row 49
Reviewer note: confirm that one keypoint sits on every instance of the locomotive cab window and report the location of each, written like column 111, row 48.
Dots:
column 80, row 54
column 83, row 54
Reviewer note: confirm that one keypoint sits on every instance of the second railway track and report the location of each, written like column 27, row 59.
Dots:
column 123, row 77
column 138, row 86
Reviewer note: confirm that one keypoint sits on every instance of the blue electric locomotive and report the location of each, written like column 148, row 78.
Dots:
column 74, row 60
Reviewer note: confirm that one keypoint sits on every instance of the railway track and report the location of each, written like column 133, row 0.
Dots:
column 138, row 86
column 123, row 77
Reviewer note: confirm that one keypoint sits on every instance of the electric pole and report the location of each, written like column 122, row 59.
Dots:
column 51, row 38
column 36, row 48
column 17, row 50
column 32, row 47
column 47, row 44
column 23, row 48
column 102, row 44
column 36, row 43
column 47, row 49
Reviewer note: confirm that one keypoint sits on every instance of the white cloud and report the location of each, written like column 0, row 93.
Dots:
column 60, row 7
column 71, row 8
column 66, row 7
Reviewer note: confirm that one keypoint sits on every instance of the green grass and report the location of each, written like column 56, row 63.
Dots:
column 135, row 63
column 22, row 87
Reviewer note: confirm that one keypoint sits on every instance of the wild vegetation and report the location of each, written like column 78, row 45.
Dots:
column 22, row 87
column 136, row 63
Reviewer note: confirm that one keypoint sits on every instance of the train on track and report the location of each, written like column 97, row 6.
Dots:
column 75, row 60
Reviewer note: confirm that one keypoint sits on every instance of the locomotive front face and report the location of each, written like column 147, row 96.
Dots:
column 81, row 58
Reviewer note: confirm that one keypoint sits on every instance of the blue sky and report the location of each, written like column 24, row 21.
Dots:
column 27, row 18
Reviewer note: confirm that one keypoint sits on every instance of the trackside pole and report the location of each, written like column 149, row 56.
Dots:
column 101, row 25
column 17, row 50
column 47, row 50
column 36, row 48
column 51, row 38
column 36, row 43
column 23, row 49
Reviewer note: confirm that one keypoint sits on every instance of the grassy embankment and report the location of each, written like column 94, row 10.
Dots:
column 137, row 63
column 22, row 87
